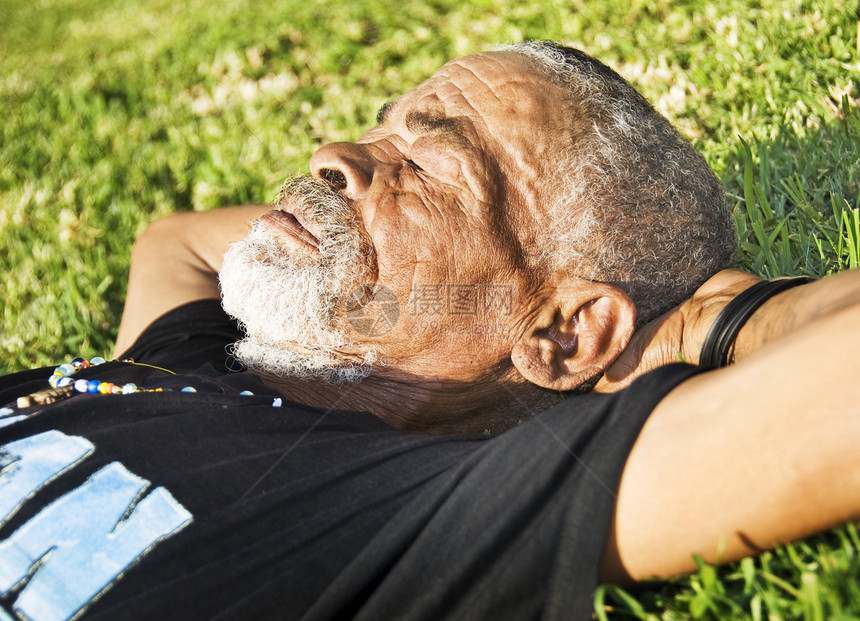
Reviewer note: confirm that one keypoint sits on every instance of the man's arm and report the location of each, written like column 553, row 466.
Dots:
column 678, row 335
column 760, row 452
column 176, row 260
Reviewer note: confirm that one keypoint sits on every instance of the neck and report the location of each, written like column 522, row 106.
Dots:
column 435, row 406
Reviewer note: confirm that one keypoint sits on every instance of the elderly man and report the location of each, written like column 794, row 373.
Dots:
column 489, row 246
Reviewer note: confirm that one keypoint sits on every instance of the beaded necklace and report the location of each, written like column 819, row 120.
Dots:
column 63, row 386
column 62, row 378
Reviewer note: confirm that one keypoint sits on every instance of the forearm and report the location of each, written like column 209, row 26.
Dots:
column 176, row 260
column 741, row 458
column 680, row 334
column 796, row 308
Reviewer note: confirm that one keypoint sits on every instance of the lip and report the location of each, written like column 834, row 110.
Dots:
column 288, row 219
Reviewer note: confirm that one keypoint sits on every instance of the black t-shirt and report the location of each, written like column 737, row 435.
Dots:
column 216, row 504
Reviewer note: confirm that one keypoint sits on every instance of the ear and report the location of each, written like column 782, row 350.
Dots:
column 575, row 335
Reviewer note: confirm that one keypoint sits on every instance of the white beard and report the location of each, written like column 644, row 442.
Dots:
column 286, row 301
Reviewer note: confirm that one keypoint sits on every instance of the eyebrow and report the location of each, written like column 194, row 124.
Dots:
column 383, row 112
column 419, row 122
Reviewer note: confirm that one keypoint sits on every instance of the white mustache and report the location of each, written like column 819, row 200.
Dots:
column 329, row 211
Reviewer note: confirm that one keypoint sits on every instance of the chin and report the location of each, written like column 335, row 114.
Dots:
column 287, row 308
column 280, row 361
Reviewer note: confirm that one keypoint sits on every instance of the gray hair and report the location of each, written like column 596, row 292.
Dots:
column 636, row 206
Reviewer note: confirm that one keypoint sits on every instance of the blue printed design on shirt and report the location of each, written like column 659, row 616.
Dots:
column 77, row 546
column 28, row 465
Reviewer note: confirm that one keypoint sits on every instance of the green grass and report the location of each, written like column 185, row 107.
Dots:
column 115, row 113
column 815, row 580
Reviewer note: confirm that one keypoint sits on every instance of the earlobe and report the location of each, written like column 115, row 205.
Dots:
column 576, row 335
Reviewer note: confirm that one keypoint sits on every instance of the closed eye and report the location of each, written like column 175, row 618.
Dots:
column 413, row 165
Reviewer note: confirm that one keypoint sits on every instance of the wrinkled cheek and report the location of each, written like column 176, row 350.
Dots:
column 396, row 238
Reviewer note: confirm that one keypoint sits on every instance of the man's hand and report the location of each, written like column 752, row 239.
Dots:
column 678, row 335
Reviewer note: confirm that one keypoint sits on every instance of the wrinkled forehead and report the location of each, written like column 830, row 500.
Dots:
column 511, row 123
column 499, row 94
column 500, row 86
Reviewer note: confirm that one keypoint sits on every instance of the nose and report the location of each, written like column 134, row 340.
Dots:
column 347, row 166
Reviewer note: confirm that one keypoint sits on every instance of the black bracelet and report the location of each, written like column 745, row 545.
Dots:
column 721, row 336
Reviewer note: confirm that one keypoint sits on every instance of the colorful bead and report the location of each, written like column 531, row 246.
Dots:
column 61, row 378
column 247, row 393
column 278, row 402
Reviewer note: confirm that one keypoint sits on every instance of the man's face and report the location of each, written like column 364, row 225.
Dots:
column 423, row 264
